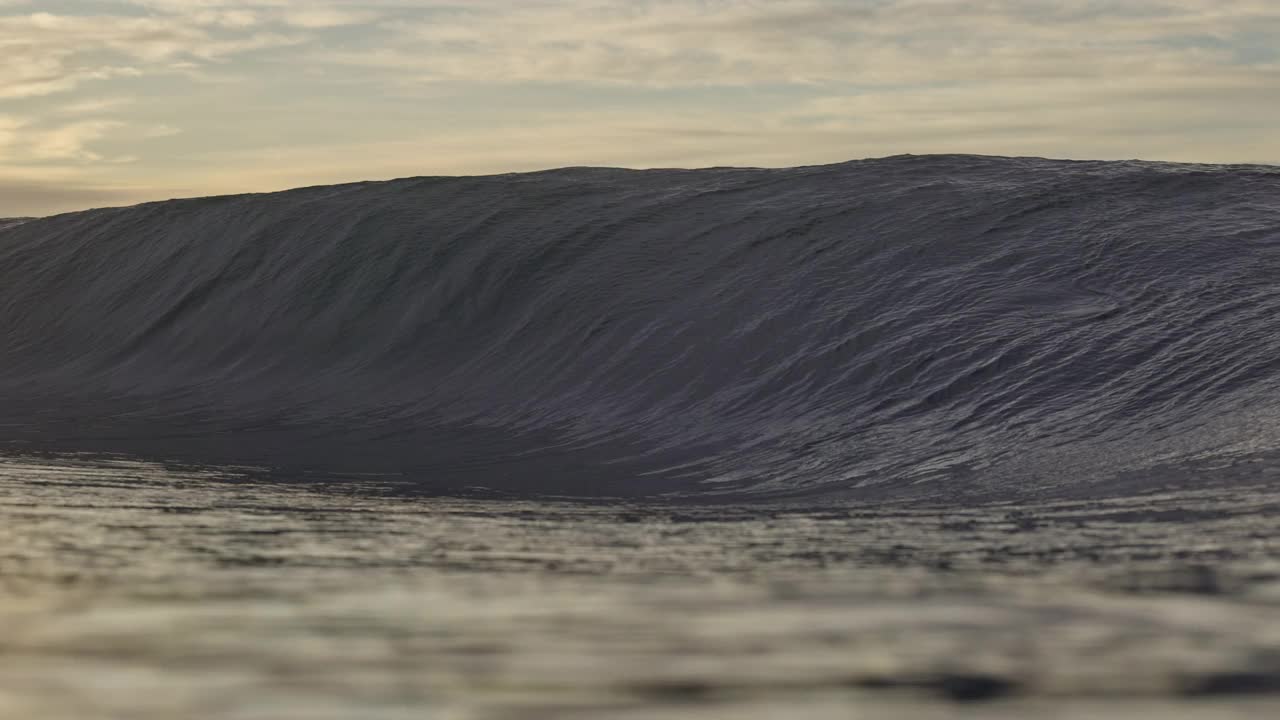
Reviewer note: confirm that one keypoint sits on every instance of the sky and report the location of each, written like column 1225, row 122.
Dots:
column 113, row 102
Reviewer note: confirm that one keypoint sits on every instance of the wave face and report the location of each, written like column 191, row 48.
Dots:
column 912, row 325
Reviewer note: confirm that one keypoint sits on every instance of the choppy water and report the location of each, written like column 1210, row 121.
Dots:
column 128, row 590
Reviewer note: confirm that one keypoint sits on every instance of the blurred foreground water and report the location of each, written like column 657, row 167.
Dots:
column 129, row 590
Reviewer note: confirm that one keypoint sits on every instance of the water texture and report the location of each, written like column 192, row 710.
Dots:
column 916, row 326
column 129, row 591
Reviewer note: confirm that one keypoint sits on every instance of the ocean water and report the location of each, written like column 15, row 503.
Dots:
column 921, row 436
column 131, row 590
column 909, row 326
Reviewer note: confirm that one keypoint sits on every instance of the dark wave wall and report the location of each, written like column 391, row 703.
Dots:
column 910, row 325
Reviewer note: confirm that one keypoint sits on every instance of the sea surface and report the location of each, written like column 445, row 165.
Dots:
column 134, row 591
column 918, row 436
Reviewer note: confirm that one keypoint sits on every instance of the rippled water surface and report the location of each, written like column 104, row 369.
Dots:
column 128, row 590
column 904, row 327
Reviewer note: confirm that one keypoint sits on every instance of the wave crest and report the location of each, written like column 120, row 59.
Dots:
column 899, row 326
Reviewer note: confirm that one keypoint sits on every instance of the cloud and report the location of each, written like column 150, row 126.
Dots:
column 94, row 106
column 228, row 18
column 25, row 141
column 9, row 127
column 46, row 53
column 310, row 14
column 159, row 131
column 70, row 142
column 1072, row 78
column 356, row 89
column 1208, row 102
column 319, row 18
column 675, row 43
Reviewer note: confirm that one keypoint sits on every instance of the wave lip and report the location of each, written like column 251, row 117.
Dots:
column 914, row 325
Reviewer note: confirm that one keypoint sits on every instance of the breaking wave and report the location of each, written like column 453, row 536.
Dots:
column 914, row 325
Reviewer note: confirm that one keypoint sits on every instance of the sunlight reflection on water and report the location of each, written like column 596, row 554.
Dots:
column 131, row 590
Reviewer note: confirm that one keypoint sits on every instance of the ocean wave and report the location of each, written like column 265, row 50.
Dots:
column 903, row 326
